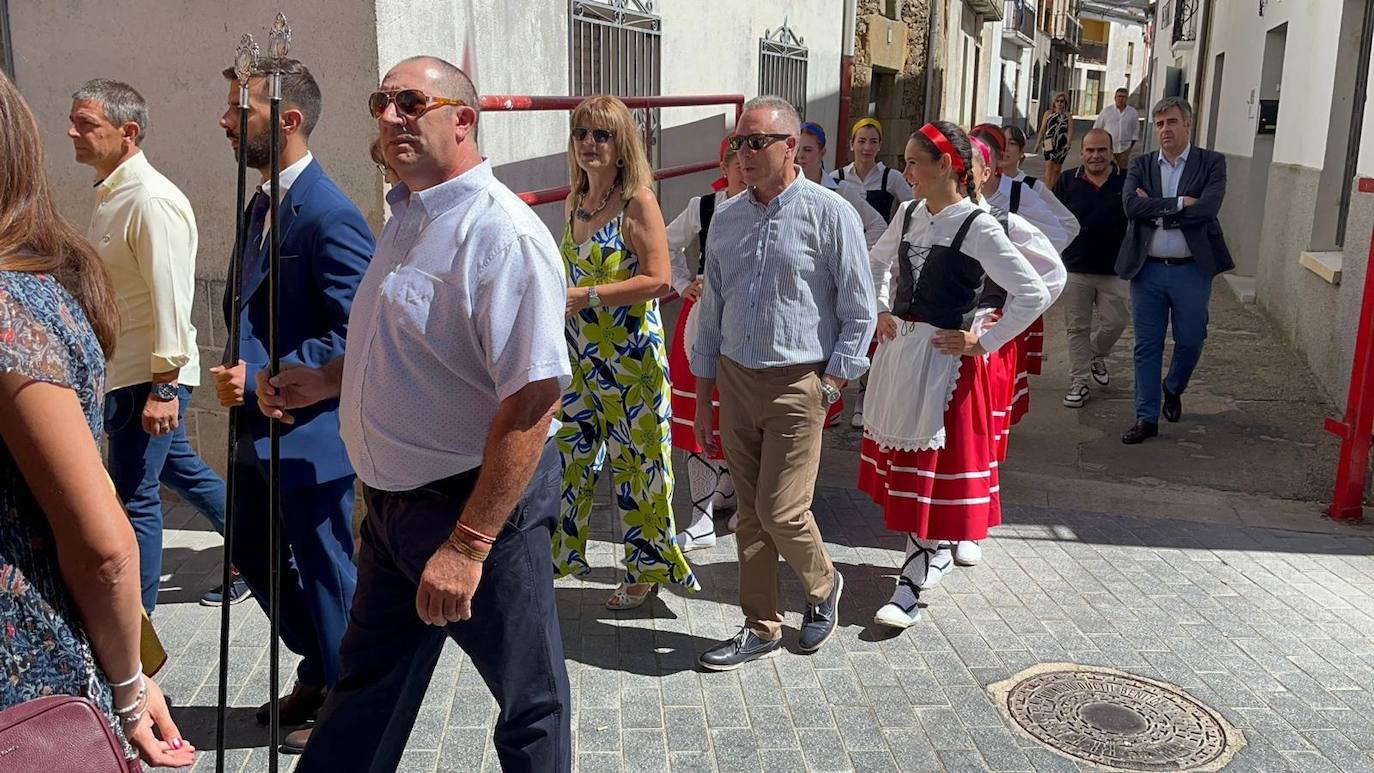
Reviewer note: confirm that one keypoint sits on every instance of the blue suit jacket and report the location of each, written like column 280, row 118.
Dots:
column 1204, row 178
column 325, row 248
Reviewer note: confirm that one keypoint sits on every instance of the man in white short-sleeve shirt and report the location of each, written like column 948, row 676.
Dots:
column 454, row 366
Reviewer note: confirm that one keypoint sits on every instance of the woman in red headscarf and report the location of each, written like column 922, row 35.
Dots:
column 929, row 448
column 708, row 478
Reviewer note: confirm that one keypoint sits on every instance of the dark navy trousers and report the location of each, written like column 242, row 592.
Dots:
column 512, row 638
column 1164, row 297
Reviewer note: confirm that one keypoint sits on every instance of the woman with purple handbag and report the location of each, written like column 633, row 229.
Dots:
column 70, row 613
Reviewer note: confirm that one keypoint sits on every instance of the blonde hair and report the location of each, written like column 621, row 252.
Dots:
column 606, row 112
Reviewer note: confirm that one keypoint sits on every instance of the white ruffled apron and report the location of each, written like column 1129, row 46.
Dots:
column 909, row 386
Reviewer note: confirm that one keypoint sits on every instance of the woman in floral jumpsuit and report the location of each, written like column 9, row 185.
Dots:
column 615, row 250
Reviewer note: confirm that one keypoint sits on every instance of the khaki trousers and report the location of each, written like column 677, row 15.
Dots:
column 1111, row 295
column 1123, row 159
column 770, row 426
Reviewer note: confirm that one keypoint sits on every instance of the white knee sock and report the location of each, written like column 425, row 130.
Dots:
column 915, row 567
column 703, row 480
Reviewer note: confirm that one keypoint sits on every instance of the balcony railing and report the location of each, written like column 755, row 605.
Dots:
column 1185, row 20
column 1067, row 29
column 1019, row 25
column 1092, row 52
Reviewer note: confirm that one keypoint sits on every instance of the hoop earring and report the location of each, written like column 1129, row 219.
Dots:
column 620, row 162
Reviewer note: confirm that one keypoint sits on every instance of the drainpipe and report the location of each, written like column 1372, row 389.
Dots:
column 930, row 112
column 846, row 81
column 1202, row 65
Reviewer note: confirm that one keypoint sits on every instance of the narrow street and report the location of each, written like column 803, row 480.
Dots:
column 1199, row 559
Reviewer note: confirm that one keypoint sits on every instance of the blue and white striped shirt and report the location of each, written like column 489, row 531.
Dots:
column 787, row 284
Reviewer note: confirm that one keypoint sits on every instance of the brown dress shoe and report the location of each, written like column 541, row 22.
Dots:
column 295, row 741
column 297, row 708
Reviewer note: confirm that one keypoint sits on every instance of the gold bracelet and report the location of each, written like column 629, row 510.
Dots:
column 462, row 546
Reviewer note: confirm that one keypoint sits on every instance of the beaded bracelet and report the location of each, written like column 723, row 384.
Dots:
column 139, row 703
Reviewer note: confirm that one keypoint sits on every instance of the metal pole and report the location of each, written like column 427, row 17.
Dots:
column 245, row 63
column 281, row 38
column 1354, row 430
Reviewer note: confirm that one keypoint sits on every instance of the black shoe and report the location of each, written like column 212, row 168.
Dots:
column 238, row 592
column 298, row 708
column 820, row 619
column 1173, row 405
column 1142, row 431
column 730, row 655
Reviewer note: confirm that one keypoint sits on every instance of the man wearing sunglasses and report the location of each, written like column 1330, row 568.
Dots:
column 784, row 320
column 455, row 365
column 325, row 248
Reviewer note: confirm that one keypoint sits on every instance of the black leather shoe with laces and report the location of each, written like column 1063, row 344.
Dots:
column 820, row 619
column 729, row 655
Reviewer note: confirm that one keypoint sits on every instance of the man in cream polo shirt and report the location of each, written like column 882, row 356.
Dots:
column 145, row 232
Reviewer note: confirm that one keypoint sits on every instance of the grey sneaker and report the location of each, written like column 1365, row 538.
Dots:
column 1077, row 395
column 1100, row 374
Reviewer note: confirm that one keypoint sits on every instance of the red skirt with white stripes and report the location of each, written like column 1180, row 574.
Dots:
column 685, row 389
column 1003, row 367
column 1020, row 394
column 949, row 493
column 1035, row 346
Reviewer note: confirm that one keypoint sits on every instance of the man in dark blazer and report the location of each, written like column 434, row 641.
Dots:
column 325, row 248
column 1173, row 249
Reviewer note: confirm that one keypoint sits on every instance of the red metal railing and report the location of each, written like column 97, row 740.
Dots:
column 1354, row 430
column 522, row 102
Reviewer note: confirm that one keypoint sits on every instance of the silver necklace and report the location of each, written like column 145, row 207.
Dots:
column 586, row 216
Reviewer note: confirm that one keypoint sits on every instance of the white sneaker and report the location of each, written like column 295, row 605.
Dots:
column 939, row 565
column 1076, row 396
column 894, row 616
column 967, row 553
column 857, row 420
column 1100, row 374
column 689, row 541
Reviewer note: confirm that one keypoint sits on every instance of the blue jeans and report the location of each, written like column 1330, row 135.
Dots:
column 139, row 462
column 513, row 637
column 1162, row 295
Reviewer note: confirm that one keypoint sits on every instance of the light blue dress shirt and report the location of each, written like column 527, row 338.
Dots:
column 1169, row 242
column 787, row 283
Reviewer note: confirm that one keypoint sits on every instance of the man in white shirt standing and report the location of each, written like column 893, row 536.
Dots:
column 145, row 232
column 1123, row 123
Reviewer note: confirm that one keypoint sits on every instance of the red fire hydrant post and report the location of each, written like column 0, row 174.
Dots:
column 1354, row 430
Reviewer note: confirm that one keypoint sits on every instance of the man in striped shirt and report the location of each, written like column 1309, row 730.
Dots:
column 784, row 320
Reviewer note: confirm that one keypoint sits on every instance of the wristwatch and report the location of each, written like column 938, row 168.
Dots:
column 830, row 393
column 165, row 391
column 593, row 300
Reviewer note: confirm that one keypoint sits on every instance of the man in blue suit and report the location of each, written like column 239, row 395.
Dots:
column 1173, row 249
column 325, row 249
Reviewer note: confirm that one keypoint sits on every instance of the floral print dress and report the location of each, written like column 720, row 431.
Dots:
column 618, row 407
column 44, row 336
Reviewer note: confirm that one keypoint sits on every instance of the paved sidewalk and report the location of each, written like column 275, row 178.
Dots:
column 1273, row 628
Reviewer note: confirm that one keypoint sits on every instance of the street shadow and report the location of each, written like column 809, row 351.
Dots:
column 241, row 728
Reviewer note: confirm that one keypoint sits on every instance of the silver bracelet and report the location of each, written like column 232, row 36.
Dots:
column 141, row 701
column 138, row 675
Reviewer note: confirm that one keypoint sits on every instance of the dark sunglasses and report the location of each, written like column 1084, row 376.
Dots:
column 600, row 136
column 755, row 141
column 409, row 102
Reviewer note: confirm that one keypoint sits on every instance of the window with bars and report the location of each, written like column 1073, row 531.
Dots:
column 614, row 47
column 783, row 59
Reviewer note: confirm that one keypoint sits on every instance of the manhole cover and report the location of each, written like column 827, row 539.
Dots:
column 1117, row 720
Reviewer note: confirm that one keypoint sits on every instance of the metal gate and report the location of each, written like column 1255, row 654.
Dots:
column 782, row 66
column 614, row 47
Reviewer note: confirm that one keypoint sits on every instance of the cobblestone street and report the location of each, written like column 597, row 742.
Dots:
column 1171, row 561
column 1272, row 628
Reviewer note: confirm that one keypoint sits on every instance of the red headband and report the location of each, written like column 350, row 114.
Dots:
column 943, row 145
column 982, row 150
